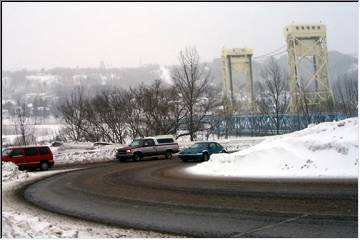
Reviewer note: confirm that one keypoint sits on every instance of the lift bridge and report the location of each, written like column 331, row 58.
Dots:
column 308, row 71
column 263, row 125
column 308, row 77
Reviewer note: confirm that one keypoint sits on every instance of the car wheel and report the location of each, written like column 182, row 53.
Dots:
column 44, row 166
column 137, row 157
column 168, row 154
column 184, row 160
column 205, row 157
column 121, row 159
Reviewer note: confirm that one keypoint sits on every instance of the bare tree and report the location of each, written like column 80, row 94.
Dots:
column 191, row 80
column 117, row 119
column 106, row 116
column 24, row 124
column 96, row 111
column 346, row 94
column 103, row 117
column 158, row 108
column 161, row 107
column 212, row 121
column 133, row 114
column 304, row 106
column 215, row 121
column 73, row 111
column 273, row 99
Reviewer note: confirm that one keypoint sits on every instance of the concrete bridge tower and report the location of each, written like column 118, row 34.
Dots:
column 238, row 79
column 308, row 69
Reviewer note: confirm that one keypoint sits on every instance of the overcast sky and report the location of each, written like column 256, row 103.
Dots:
column 36, row 35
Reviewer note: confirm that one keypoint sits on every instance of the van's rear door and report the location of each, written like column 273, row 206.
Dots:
column 17, row 156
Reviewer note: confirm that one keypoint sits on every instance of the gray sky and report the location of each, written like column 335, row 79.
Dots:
column 36, row 35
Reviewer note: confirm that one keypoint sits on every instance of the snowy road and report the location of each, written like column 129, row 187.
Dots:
column 23, row 220
column 158, row 195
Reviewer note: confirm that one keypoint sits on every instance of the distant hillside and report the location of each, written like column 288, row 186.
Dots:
column 60, row 81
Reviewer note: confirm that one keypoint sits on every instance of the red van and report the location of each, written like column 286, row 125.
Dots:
column 29, row 156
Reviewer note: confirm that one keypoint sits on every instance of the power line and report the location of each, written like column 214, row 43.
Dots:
column 272, row 53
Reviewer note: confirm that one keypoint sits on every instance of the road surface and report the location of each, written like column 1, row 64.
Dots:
column 158, row 195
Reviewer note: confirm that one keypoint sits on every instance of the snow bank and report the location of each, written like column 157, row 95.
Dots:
column 231, row 144
column 326, row 150
column 11, row 172
column 81, row 153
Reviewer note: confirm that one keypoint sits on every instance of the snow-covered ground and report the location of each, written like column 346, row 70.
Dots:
column 82, row 153
column 326, row 150
column 20, row 220
column 231, row 144
column 43, row 132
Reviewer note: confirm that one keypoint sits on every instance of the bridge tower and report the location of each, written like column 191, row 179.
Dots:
column 238, row 79
column 308, row 69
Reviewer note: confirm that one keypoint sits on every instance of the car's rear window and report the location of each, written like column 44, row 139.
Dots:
column 212, row 145
column 43, row 150
column 165, row 140
column 31, row 151
column 137, row 143
column 199, row 145
column 6, row 152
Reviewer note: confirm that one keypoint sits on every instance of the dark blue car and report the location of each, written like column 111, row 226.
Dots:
column 201, row 151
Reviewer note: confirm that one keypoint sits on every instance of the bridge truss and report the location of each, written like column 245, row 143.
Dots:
column 262, row 125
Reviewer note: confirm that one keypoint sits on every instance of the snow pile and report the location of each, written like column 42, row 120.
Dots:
column 231, row 144
column 327, row 150
column 238, row 144
column 11, row 172
column 80, row 153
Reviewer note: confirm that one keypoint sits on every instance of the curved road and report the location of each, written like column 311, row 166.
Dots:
column 158, row 195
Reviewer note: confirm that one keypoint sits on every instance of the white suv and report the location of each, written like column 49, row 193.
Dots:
column 149, row 146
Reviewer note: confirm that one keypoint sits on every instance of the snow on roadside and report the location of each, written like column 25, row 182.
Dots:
column 326, row 150
column 21, row 220
column 241, row 143
column 82, row 153
column 231, row 144
column 11, row 172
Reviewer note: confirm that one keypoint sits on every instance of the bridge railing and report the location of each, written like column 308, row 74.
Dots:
column 262, row 125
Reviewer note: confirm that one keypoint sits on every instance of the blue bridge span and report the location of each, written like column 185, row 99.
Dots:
column 262, row 125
